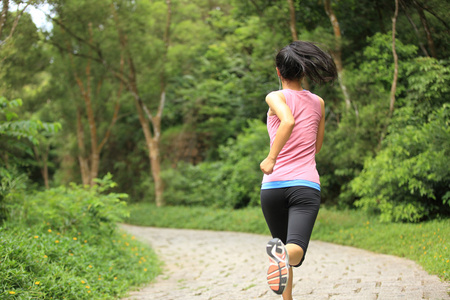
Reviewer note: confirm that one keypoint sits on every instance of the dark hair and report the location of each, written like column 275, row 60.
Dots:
column 300, row 59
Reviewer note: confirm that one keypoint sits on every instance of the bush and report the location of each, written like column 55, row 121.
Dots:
column 63, row 243
column 73, row 209
column 409, row 179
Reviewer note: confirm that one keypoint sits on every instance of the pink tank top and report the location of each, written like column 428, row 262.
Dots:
column 296, row 161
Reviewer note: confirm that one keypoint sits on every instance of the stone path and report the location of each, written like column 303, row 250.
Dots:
column 202, row 265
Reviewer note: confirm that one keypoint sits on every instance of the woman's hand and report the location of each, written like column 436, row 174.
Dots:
column 267, row 165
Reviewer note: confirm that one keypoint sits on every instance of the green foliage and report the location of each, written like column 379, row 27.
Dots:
column 73, row 209
column 16, row 139
column 426, row 243
column 18, row 129
column 234, row 181
column 409, row 179
column 63, row 243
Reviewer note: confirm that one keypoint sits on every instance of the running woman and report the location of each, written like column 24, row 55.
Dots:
column 290, row 191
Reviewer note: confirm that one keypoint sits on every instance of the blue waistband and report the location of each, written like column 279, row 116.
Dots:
column 289, row 183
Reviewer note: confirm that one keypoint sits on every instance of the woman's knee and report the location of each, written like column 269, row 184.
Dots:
column 295, row 254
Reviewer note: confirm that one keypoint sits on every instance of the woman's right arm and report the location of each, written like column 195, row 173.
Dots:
column 278, row 106
column 321, row 129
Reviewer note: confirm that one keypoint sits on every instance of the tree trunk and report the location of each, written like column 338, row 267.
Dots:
column 83, row 161
column 43, row 163
column 155, row 160
column 337, row 54
column 394, row 53
column 89, row 171
column 424, row 21
column 292, row 20
column 44, row 169
column 293, row 28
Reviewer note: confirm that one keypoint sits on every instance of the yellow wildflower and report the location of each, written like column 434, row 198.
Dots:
column 12, row 293
column 83, row 282
column 36, row 236
column 49, row 230
column 87, row 287
column 45, row 256
column 57, row 241
column 74, row 238
column 90, row 266
column 37, row 282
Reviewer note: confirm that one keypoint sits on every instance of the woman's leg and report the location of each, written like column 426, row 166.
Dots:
column 303, row 208
column 295, row 253
column 290, row 214
column 304, row 204
column 287, row 294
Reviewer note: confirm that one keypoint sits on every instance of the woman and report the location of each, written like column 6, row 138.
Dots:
column 290, row 191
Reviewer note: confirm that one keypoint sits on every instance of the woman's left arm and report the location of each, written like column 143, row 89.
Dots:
column 321, row 129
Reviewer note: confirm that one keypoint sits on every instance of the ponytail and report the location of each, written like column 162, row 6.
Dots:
column 300, row 59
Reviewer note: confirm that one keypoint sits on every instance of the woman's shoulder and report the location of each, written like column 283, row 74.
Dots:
column 276, row 95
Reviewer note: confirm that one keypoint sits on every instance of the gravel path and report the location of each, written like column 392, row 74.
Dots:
column 231, row 266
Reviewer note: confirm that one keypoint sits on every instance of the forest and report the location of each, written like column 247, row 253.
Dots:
column 153, row 112
column 167, row 96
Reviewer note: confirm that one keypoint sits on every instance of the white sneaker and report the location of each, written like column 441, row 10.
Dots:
column 277, row 274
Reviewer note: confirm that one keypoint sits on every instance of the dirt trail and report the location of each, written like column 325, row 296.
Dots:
column 231, row 266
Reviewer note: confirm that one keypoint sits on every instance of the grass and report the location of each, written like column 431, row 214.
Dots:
column 426, row 243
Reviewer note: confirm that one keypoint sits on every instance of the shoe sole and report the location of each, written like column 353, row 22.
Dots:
column 277, row 274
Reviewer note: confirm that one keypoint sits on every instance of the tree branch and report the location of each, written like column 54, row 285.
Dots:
column 4, row 15
column 15, row 23
column 421, row 45
column 430, row 10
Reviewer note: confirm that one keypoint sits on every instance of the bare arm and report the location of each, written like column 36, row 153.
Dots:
column 278, row 106
column 321, row 129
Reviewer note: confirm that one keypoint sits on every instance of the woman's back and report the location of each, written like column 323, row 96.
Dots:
column 296, row 160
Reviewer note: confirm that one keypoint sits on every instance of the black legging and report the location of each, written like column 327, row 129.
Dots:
column 290, row 214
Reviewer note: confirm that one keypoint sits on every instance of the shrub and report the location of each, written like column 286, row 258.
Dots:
column 409, row 179
column 63, row 243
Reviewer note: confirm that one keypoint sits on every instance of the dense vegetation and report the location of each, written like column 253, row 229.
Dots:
column 63, row 244
column 168, row 96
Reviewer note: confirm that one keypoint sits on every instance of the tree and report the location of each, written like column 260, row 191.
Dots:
column 337, row 54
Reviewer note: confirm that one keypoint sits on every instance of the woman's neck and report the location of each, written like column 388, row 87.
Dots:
column 292, row 85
